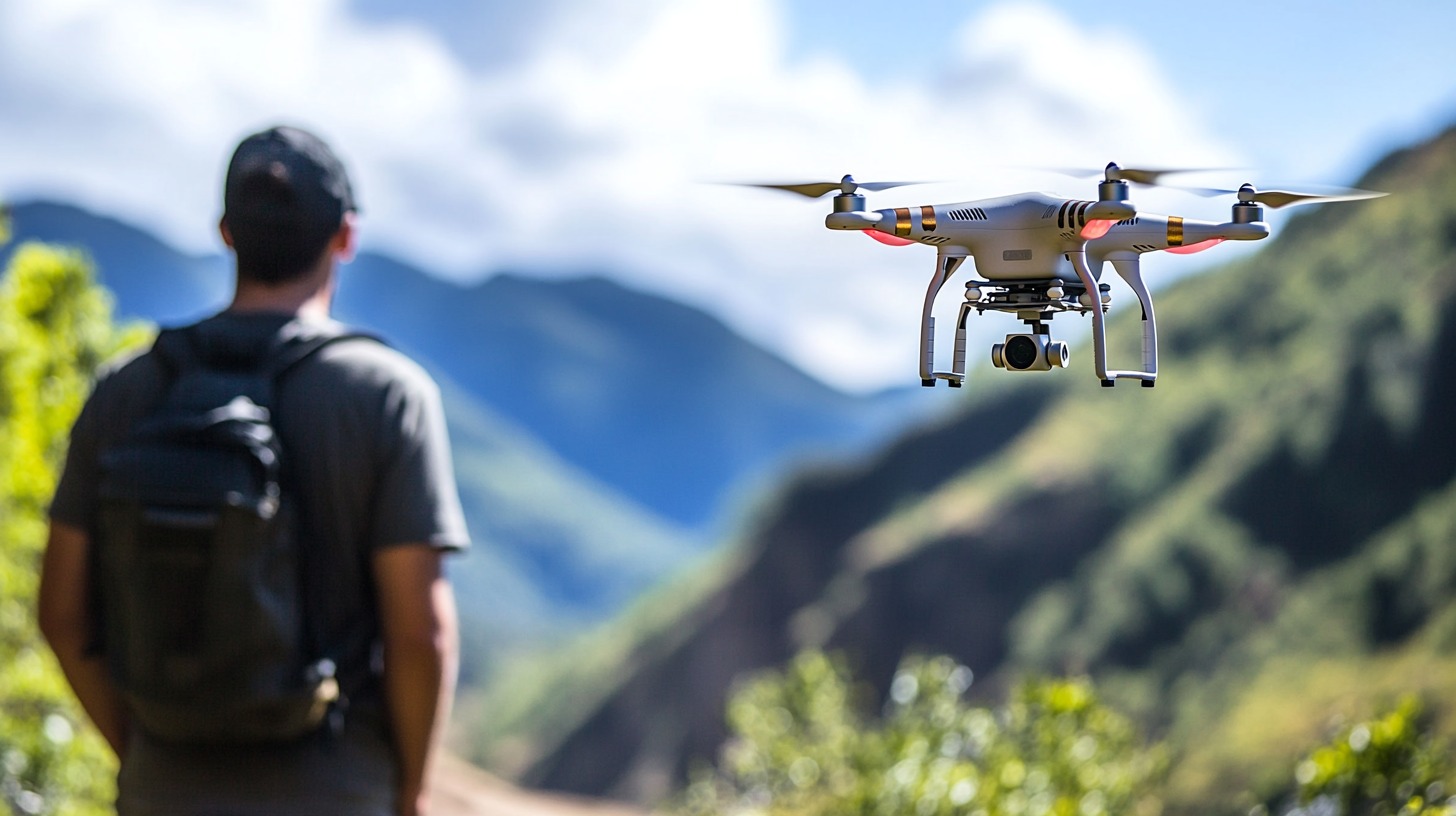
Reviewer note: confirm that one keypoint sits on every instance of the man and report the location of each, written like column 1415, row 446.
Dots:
column 363, row 433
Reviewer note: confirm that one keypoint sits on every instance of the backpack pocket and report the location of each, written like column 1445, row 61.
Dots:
column 201, row 603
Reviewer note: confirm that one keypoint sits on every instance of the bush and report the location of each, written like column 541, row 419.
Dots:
column 55, row 329
column 1388, row 766
column 802, row 744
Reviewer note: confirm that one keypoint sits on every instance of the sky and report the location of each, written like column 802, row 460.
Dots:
column 564, row 137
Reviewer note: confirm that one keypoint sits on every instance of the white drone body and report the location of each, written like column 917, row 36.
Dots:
column 1038, row 255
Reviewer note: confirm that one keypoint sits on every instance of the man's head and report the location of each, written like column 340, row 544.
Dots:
column 284, row 200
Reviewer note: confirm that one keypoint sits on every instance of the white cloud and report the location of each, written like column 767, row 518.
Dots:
column 589, row 151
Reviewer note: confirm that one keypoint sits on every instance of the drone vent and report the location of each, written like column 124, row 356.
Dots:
column 934, row 239
column 1144, row 247
column 1051, row 210
column 971, row 214
column 1072, row 214
column 1127, row 222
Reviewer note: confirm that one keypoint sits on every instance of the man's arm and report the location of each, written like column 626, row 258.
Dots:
column 65, row 621
column 421, row 655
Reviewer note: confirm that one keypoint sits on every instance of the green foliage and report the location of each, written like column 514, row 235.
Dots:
column 55, row 329
column 802, row 745
column 1373, row 627
column 1390, row 765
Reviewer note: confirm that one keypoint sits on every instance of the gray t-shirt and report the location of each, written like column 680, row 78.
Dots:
column 364, row 432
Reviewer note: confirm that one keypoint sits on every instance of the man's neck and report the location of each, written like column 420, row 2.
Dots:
column 307, row 297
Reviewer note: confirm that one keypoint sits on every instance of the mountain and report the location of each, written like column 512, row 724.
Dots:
column 659, row 400
column 149, row 279
column 593, row 425
column 555, row 549
column 1264, row 542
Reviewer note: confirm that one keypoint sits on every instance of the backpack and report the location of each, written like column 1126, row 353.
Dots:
column 202, row 583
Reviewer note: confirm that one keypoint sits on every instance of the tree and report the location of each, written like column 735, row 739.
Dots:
column 1388, row 766
column 802, row 744
column 55, row 330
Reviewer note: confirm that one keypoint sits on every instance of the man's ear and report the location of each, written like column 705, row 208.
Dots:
column 227, row 234
column 346, row 241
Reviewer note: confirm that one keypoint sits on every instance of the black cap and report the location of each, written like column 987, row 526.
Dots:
column 285, row 176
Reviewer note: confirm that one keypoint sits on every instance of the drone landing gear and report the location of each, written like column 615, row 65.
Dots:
column 1131, row 272
column 957, row 375
column 945, row 267
column 1035, row 301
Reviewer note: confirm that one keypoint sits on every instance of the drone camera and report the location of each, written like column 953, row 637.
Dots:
column 1030, row 352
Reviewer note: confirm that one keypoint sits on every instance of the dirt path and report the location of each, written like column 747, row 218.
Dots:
column 464, row 790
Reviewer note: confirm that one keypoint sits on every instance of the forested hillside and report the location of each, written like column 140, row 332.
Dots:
column 1263, row 544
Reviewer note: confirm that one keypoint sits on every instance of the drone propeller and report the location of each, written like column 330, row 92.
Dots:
column 1143, row 175
column 1136, row 175
column 1275, row 199
column 845, row 186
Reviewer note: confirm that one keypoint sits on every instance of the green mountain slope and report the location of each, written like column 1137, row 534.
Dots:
column 554, row 551
column 1263, row 539
column 660, row 400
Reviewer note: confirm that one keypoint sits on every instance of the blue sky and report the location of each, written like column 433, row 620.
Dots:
column 563, row 136
column 1310, row 88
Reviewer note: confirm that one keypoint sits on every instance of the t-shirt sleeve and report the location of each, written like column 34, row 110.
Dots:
column 75, row 501
column 125, row 388
column 416, row 498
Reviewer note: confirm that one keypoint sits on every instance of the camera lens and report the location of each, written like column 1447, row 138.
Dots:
column 1021, row 352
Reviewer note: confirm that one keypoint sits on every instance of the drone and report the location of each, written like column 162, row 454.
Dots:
column 1039, row 255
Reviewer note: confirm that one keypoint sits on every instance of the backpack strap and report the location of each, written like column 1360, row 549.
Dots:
column 348, row 657
column 182, row 348
column 299, row 341
column 175, row 350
